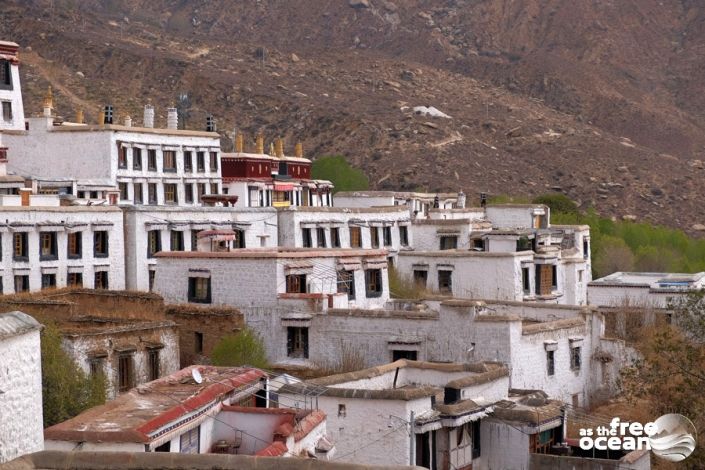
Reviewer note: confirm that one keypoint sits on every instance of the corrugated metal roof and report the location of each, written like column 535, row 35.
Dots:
column 17, row 323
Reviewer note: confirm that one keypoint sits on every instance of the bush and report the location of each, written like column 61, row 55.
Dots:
column 402, row 287
column 243, row 348
column 67, row 390
column 559, row 204
column 338, row 171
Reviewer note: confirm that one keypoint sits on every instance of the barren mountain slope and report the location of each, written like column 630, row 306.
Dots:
column 607, row 96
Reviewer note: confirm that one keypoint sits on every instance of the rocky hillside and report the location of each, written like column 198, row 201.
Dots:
column 601, row 100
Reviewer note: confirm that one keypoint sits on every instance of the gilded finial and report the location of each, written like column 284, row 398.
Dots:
column 238, row 143
column 280, row 147
column 299, row 150
column 260, row 145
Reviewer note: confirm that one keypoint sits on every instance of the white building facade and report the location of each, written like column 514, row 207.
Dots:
column 11, row 108
column 21, row 418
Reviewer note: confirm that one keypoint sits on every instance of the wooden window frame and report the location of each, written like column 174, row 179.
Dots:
column 374, row 237
column 373, row 283
column 201, row 162
column 171, row 195
column 576, row 358
column 551, row 363
column 296, row 284
column 138, row 196
column 48, row 281
column 346, row 283
column 335, row 237
column 177, row 241
column 74, row 280
column 5, row 75
column 123, row 191
column 169, row 160
column 297, row 344
column 101, row 280
column 320, row 237
column 214, row 188
column 151, row 160
column 152, row 191
column 404, row 235
column 188, row 193
column 306, row 239
column 100, row 244
column 188, row 160
column 154, row 242
column 24, row 279
column 387, row 236
column 355, row 237
column 214, row 161
column 199, row 290
column 122, row 157
column 152, row 364
column 136, row 158
column 125, row 370
column 449, row 242
column 151, row 276
column 47, row 246
column 20, row 249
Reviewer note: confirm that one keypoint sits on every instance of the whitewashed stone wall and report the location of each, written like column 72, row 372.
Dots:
column 259, row 226
column 14, row 97
column 511, row 216
column 21, row 426
column 428, row 233
column 34, row 220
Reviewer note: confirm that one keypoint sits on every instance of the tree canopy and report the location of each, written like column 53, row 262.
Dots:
column 243, row 348
column 337, row 170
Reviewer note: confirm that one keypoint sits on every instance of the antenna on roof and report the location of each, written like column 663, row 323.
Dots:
column 196, row 376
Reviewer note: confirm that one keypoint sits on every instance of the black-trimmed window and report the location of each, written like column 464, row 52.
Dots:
column 449, row 242
column 321, row 237
column 47, row 246
column 122, row 157
column 306, row 238
column 550, row 363
column 297, row 342
column 526, row 280
column 101, row 280
column 200, row 190
column 154, row 242
column 6, row 111
column 100, row 244
column 346, row 283
column 136, row 159
column 152, row 190
column 214, row 161
column 21, row 284
column 404, row 235
column 188, row 193
column 5, row 75
column 201, row 162
column 296, row 284
column 177, row 240
column 169, row 160
column 374, row 237
column 387, row 236
column 575, row 358
column 198, row 342
column 153, row 364
column 476, row 438
column 239, row 241
column 125, row 372
column 48, row 281
column 188, row 161
column 19, row 247
column 138, row 193
column 199, row 290
column 335, row 237
column 170, row 193
column 152, row 276
column 151, row 160
column 75, row 245
column 95, row 364
column 123, row 191
column 445, row 282
column 373, row 283
column 355, row 237
column 74, row 280
column 421, row 278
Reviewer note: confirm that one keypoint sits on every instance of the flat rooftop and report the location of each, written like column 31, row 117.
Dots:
column 143, row 410
column 653, row 280
column 274, row 252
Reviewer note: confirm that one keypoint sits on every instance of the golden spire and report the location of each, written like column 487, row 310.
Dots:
column 48, row 103
column 238, row 143
column 101, row 116
column 79, row 116
column 260, row 145
column 279, row 147
column 299, row 150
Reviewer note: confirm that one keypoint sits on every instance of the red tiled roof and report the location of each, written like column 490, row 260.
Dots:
column 308, row 424
column 276, row 449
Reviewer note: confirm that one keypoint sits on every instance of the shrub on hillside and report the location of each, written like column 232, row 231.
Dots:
column 337, row 170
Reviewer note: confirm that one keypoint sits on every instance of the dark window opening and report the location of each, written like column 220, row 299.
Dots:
column 100, row 244
column 188, row 193
column 152, row 160
column 101, row 280
column 476, row 438
column 408, row 355
column 198, row 342
column 136, row 159
column 449, row 242
column 387, row 236
column 75, row 279
column 152, row 276
column 478, row 244
column 125, row 372
column 296, row 284
column 47, row 246
column 421, row 278
column 122, row 157
column 194, row 240
column 152, row 190
column 153, row 365
column 404, row 235
column 445, row 282
column 169, row 157
column 214, row 161
column 21, row 284
column 526, row 280
column 123, row 191
column 48, row 281
column 154, row 242
column 297, row 342
column 321, row 237
column 374, row 237
column 199, row 290
column 200, row 162
column 550, row 363
column 177, row 240
column 306, row 241
column 188, row 161
column 5, row 75
column 373, row 282
column 19, row 252
column 346, row 283
column 7, row 111
column 138, row 193
column 575, row 358
column 335, row 237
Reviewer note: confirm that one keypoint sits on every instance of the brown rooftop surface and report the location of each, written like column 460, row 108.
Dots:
column 274, row 252
column 139, row 130
column 130, row 417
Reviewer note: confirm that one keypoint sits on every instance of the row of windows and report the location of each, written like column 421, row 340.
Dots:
column 21, row 282
column 575, row 360
column 192, row 192
column 48, row 246
column 355, row 237
column 445, row 280
column 177, row 241
column 168, row 160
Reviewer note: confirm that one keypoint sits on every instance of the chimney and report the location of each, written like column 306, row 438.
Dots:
column 279, row 147
column 128, row 120
column 24, row 195
column 299, row 150
column 260, row 145
column 461, row 200
column 210, row 124
column 108, row 114
column 172, row 118
column 48, row 103
column 79, row 116
column 3, row 157
column 148, row 114
column 238, row 143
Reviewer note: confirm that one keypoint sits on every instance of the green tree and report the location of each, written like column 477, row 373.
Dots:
column 559, row 204
column 243, row 348
column 337, row 170
column 614, row 255
column 66, row 389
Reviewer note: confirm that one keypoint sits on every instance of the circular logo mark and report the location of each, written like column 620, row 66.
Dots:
column 675, row 438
